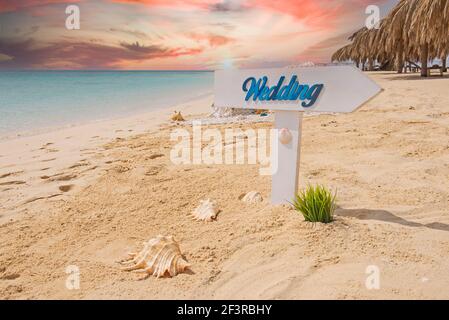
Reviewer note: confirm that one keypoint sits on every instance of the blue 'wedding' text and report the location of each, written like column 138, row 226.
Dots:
column 258, row 90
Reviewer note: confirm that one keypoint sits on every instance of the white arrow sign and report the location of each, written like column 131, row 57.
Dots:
column 289, row 90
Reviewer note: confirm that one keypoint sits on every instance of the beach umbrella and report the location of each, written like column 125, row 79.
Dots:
column 419, row 29
column 413, row 30
column 343, row 54
column 359, row 45
column 365, row 46
column 377, row 47
column 430, row 27
column 353, row 51
column 348, row 53
column 396, row 38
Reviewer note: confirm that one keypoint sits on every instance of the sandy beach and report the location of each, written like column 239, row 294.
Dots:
column 86, row 195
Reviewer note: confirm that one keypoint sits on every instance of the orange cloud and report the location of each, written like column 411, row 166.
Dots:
column 218, row 29
column 314, row 11
column 214, row 40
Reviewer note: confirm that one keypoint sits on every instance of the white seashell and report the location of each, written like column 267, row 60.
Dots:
column 206, row 211
column 252, row 197
column 285, row 136
column 160, row 257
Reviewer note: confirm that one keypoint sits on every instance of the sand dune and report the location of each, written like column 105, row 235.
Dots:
column 87, row 207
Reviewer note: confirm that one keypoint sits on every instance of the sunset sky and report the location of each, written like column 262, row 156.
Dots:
column 181, row 35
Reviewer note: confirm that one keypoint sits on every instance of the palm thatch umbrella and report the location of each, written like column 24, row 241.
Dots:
column 419, row 29
column 377, row 45
column 413, row 30
column 355, row 51
column 396, row 26
column 360, row 45
column 430, row 28
column 365, row 47
column 343, row 54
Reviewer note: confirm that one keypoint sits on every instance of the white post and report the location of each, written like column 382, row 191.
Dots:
column 284, row 184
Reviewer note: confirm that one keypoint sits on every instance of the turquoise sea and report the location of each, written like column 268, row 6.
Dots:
column 31, row 100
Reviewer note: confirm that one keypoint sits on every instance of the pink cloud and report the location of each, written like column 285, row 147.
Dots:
column 316, row 12
column 17, row 5
column 214, row 40
column 312, row 38
column 204, row 4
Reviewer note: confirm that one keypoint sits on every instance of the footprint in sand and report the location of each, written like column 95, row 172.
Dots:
column 152, row 171
column 89, row 169
column 60, row 177
column 8, row 183
column 40, row 198
column 10, row 276
column 121, row 169
column 88, row 153
column 66, row 188
column 10, row 174
column 79, row 164
column 46, row 145
column 155, row 156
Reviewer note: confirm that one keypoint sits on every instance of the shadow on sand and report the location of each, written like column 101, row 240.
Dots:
column 417, row 76
column 386, row 216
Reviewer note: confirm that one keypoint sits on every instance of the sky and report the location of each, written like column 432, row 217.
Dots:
column 177, row 34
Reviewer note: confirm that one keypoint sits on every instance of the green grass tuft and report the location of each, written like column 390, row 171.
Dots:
column 317, row 204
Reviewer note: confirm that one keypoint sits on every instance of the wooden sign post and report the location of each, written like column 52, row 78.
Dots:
column 290, row 92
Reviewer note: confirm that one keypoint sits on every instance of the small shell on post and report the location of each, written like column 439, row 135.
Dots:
column 285, row 136
column 252, row 197
column 160, row 257
column 206, row 211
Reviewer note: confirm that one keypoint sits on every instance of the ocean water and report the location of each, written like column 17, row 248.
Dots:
column 31, row 100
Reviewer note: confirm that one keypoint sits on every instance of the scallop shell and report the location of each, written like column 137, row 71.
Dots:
column 285, row 136
column 160, row 257
column 206, row 211
column 252, row 197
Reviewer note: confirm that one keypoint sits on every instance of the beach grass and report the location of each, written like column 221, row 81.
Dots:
column 316, row 203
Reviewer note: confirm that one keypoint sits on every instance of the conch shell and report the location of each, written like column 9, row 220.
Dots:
column 206, row 211
column 285, row 136
column 252, row 197
column 160, row 257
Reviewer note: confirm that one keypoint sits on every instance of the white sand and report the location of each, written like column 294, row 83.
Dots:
column 389, row 162
column 35, row 166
